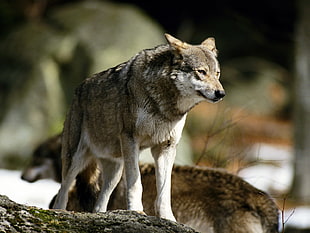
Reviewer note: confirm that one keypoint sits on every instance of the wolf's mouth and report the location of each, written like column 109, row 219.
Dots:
column 206, row 96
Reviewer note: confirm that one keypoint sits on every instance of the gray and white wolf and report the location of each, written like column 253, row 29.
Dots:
column 141, row 103
column 208, row 200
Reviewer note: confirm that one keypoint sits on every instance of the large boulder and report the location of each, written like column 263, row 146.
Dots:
column 31, row 95
column 42, row 63
column 108, row 33
column 19, row 218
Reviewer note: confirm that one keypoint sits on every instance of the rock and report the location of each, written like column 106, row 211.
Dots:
column 111, row 33
column 19, row 218
column 32, row 96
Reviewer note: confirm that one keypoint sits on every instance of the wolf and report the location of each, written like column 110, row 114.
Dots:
column 45, row 162
column 206, row 199
column 213, row 201
column 141, row 103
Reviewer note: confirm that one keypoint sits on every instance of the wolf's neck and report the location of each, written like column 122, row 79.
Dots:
column 157, row 91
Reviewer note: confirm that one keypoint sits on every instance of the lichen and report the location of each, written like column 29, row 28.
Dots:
column 50, row 219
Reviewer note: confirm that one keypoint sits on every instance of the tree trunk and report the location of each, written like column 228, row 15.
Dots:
column 19, row 218
column 301, row 189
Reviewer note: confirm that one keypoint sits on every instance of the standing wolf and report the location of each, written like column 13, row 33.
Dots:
column 138, row 104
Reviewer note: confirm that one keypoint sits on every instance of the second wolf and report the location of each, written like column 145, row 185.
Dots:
column 139, row 104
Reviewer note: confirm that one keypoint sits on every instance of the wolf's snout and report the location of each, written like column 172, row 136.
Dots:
column 29, row 176
column 219, row 94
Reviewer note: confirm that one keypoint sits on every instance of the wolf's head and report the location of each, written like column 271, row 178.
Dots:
column 196, row 70
column 45, row 162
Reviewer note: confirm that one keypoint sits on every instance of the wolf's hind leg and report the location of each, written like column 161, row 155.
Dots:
column 112, row 170
column 70, row 171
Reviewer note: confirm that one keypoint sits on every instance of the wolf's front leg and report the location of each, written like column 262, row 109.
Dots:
column 164, row 156
column 130, row 151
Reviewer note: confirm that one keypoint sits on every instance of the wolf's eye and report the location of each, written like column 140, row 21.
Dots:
column 203, row 72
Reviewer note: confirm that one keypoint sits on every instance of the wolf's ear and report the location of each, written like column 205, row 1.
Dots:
column 210, row 44
column 176, row 43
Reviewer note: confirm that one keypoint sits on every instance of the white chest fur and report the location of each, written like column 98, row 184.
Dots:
column 151, row 130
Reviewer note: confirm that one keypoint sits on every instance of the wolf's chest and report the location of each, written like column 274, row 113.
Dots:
column 152, row 130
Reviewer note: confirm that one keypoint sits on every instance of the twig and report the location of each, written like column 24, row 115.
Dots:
column 227, row 124
column 282, row 213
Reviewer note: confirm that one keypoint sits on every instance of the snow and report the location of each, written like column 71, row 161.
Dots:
column 298, row 218
column 275, row 170
column 37, row 194
column 274, row 173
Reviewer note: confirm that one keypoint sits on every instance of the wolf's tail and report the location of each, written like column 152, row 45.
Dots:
column 85, row 192
column 267, row 210
column 72, row 132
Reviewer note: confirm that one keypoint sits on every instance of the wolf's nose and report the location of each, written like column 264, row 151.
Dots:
column 219, row 94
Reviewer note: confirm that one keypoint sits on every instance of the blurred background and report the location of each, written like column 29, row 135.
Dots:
column 260, row 131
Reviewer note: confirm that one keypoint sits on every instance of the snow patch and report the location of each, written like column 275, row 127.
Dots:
column 298, row 218
column 37, row 194
column 274, row 171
